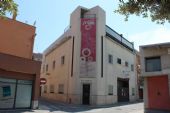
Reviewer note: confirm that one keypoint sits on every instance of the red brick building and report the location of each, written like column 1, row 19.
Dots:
column 19, row 74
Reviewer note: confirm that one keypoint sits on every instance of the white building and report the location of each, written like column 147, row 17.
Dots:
column 90, row 63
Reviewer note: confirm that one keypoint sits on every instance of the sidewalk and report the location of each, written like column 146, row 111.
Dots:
column 156, row 111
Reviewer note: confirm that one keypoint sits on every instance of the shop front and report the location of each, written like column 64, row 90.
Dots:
column 15, row 93
column 19, row 82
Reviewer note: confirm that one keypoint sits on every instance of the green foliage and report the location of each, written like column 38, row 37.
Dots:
column 8, row 6
column 157, row 10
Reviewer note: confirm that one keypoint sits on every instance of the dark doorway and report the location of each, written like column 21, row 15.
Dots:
column 123, row 89
column 86, row 94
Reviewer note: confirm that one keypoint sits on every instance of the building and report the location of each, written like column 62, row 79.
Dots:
column 155, row 68
column 90, row 63
column 19, row 74
column 138, row 73
column 37, row 57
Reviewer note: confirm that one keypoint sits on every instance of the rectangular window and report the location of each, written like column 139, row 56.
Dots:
column 47, row 68
column 119, row 61
column 6, row 91
column 132, row 67
column 126, row 64
column 110, row 57
column 62, row 59
column 152, row 64
column 45, row 88
column 110, row 90
column 43, row 70
column 54, row 64
column 61, row 88
column 133, row 91
column 51, row 88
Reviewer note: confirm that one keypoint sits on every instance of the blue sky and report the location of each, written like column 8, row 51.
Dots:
column 53, row 16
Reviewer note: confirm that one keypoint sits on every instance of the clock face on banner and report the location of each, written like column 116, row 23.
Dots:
column 88, row 47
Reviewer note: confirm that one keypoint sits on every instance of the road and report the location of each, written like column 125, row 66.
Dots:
column 54, row 107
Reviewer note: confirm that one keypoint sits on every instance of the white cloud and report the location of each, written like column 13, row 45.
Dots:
column 157, row 35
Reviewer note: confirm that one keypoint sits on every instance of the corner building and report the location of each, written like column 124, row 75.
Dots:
column 19, row 73
column 155, row 68
column 90, row 63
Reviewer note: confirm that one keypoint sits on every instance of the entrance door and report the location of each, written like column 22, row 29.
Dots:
column 86, row 94
column 158, row 92
column 23, row 94
column 123, row 90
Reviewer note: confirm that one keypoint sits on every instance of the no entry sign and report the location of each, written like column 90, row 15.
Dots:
column 43, row 81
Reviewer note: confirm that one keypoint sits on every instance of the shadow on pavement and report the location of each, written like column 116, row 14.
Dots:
column 46, row 106
column 57, row 106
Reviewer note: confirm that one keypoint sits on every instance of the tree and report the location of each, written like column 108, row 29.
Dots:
column 157, row 10
column 8, row 6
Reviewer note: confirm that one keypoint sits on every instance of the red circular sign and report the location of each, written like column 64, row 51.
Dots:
column 43, row 81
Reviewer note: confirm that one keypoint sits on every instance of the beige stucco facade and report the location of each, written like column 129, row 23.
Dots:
column 67, row 76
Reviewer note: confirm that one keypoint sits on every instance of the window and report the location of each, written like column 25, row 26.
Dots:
column 132, row 67
column 61, row 88
column 47, row 68
column 110, row 57
column 119, row 61
column 152, row 64
column 133, row 91
column 126, row 64
column 43, row 68
column 62, row 59
column 6, row 91
column 110, row 90
column 51, row 88
column 54, row 64
column 45, row 88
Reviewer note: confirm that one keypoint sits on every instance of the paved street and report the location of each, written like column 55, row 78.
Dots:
column 53, row 107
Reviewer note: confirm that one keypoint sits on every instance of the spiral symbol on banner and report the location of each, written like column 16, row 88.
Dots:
column 87, row 27
column 90, row 59
column 86, row 52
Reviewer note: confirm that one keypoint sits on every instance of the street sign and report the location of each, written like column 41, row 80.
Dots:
column 43, row 81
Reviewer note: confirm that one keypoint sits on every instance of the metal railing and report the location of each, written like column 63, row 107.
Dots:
column 120, row 39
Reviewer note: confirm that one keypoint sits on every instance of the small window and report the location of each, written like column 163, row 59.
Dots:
column 43, row 68
column 61, row 88
column 119, row 61
column 133, row 91
column 54, row 64
column 152, row 64
column 6, row 91
column 126, row 64
column 45, row 88
column 110, row 57
column 62, row 60
column 47, row 68
column 51, row 88
column 110, row 90
column 132, row 67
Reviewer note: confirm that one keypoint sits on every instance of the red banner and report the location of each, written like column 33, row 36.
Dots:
column 88, row 39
